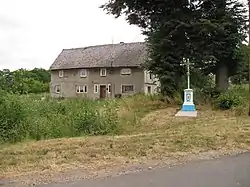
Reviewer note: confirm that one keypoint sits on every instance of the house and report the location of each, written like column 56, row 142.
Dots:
column 102, row 71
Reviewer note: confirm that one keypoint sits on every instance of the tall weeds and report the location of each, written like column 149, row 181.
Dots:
column 28, row 118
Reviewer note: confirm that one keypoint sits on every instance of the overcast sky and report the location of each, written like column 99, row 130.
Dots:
column 33, row 32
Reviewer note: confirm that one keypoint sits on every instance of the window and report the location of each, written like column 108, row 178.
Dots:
column 127, row 88
column 150, row 76
column 83, row 73
column 103, row 72
column 61, row 73
column 109, row 88
column 126, row 71
column 57, row 89
column 81, row 89
column 149, row 89
column 96, row 88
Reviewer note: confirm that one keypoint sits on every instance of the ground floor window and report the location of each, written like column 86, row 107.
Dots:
column 96, row 88
column 127, row 88
column 81, row 89
column 149, row 90
column 109, row 88
column 57, row 88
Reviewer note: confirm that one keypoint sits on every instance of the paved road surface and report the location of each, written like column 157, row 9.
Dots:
column 231, row 171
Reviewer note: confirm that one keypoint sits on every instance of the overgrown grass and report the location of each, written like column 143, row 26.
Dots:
column 136, row 129
column 159, row 136
column 38, row 118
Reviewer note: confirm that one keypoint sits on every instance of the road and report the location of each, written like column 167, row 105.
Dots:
column 232, row 171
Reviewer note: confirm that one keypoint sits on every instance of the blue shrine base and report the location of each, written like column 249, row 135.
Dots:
column 188, row 107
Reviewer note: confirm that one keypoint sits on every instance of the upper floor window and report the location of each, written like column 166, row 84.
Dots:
column 127, row 88
column 126, row 71
column 61, row 73
column 150, row 76
column 103, row 72
column 57, row 88
column 83, row 73
column 82, row 89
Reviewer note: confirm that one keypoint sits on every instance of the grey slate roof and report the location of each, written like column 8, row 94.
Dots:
column 117, row 55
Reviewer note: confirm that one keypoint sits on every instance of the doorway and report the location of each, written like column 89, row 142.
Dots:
column 103, row 91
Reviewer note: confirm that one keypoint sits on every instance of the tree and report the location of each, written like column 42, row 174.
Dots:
column 166, row 24
column 242, row 75
column 206, row 31
column 5, row 79
column 41, row 75
column 24, row 81
column 223, row 26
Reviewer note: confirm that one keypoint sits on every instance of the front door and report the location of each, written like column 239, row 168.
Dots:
column 103, row 90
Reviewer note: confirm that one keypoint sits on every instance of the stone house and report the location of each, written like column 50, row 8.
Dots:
column 103, row 71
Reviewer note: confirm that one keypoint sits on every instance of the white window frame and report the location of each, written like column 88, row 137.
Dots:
column 126, row 71
column 81, row 87
column 61, row 73
column 151, row 89
column 105, row 74
column 85, row 74
column 55, row 89
column 128, row 85
column 109, row 88
column 96, row 88
column 151, row 76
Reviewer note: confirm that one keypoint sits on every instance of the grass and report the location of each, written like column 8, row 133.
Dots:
column 30, row 117
column 159, row 135
column 119, row 132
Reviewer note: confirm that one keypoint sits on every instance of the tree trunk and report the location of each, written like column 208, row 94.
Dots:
column 222, row 79
column 249, row 56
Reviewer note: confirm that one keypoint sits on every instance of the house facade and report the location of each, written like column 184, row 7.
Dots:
column 102, row 72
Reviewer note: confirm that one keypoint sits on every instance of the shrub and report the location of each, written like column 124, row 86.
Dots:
column 29, row 116
column 109, row 117
column 69, row 118
column 86, row 120
column 95, row 117
column 12, row 117
column 229, row 100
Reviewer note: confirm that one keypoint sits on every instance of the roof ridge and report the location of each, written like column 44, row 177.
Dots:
column 101, row 45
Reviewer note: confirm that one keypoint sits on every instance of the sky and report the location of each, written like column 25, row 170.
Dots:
column 34, row 32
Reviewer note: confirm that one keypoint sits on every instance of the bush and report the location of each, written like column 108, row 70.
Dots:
column 228, row 100
column 12, row 117
column 35, row 118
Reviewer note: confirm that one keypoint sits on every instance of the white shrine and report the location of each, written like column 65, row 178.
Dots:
column 188, row 107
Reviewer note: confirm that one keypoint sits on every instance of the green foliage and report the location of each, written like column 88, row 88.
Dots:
column 165, row 63
column 24, row 81
column 29, row 117
column 209, row 33
column 223, row 25
column 12, row 118
column 234, row 98
column 228, row 101
column 204, row 87
column 95, row 118
column 242, row 75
